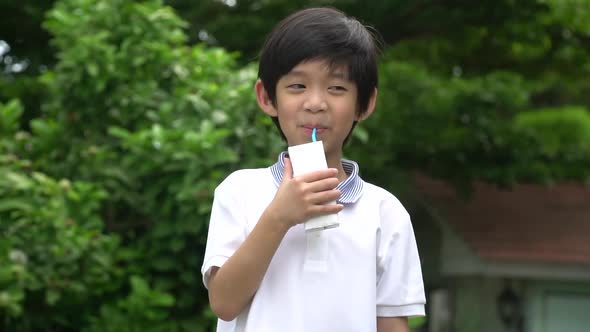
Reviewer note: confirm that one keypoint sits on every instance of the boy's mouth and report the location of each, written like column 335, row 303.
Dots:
column 308, row 129
column 311, row 126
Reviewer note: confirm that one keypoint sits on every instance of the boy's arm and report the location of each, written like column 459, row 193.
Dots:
column 392, row 324
column 232, row 286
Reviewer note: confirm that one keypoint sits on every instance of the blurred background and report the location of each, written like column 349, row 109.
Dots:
column 118, row 118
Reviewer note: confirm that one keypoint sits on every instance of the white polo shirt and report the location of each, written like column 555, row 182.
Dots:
column 339, row 279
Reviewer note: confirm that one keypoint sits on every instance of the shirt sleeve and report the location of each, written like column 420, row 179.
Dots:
column 400, row 288
column 227, row 229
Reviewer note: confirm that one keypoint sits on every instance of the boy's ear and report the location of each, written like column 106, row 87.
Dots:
column 264, row 100
column 370, row 107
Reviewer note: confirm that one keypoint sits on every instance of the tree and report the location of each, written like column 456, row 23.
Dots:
column 540, row 43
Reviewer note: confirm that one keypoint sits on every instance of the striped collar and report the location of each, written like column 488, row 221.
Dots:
column 351, row 189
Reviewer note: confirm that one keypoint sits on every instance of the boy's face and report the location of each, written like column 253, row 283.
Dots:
column 314, row 95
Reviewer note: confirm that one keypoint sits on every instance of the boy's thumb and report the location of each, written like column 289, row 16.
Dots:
column 288, row 170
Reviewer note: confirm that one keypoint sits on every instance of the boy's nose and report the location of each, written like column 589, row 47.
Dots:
column 315, row 102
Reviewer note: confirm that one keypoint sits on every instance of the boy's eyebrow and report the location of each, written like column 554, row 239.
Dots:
column 338, row 74
column 297, row 73
column 333, row 74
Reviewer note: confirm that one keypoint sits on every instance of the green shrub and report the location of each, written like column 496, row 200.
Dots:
column 557, row 130
column 54, row 255
column 143, row 128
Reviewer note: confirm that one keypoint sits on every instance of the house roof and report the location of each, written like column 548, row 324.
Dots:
column 528, row 223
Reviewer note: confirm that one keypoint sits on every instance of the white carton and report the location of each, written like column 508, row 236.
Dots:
column 307, row 158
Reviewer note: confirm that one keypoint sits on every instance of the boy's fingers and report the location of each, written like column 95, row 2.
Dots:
column 322, row 210
column 287, row 170
column 325, row 197
column 323, row 185
column 318, row 175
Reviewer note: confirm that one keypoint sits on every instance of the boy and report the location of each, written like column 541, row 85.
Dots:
column 318, row 69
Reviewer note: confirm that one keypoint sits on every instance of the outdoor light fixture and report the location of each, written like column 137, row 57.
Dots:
column 510, row 309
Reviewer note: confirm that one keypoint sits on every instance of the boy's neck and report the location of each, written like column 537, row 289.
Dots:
column 334, row 160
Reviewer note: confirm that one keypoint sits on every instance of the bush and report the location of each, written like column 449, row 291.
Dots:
column 54, row 255
column 141, row 128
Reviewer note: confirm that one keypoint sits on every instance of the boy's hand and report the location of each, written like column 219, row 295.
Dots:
column 302, row 197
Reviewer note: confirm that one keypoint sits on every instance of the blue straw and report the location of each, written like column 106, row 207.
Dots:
column 313, row 137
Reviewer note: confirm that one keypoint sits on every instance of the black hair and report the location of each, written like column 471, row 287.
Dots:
column 321, row 33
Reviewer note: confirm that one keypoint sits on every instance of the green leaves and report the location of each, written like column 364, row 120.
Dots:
column 144, row 309
column 557, row 129
column 463, row 129
column 561, row 136
column 50, row 241
column 141, row 128
column 10, row 118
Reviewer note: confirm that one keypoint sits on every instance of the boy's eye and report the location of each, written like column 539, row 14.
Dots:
column 338, row 88
column 296, row 86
